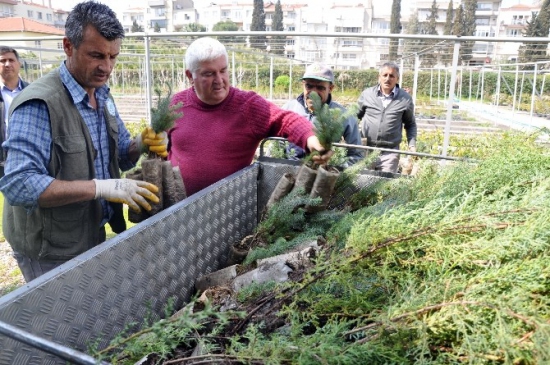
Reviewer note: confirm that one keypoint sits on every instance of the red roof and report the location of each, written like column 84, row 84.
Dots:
column 20, row 24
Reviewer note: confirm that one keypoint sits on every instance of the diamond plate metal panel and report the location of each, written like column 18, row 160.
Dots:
column 93, row 297
column 96, row 295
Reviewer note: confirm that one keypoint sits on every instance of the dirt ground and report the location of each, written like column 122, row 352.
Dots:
column 10, row 275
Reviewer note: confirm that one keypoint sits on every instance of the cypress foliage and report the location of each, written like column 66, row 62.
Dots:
column 258, row 24
column 411, row 46
column 448, row 28
column 429, row 57
column 277, row 43
column 230, row 26
column 136, row 27
column 458, row 27
column 537, row 27
column 447, row 49
column 395, row 28
column 469, row 29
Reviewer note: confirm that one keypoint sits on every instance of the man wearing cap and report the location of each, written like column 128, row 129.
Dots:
column 384, row 110
column 319, row 78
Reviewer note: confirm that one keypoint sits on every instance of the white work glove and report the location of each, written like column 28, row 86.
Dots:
column 149, row 141
column 127, row 191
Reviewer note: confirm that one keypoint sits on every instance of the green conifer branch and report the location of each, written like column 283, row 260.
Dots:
column 164, row 115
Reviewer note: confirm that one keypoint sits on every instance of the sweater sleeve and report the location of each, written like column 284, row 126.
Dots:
column 269, row 120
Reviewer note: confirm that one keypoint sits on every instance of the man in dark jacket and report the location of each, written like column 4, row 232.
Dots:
column 320, row 78
column 385, row 110
column 10, row 86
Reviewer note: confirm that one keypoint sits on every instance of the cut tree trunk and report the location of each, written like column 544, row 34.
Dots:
column 180, row 187
column 169, row 191
column 323, row 187
column 284, row 186
column 133, row 216
column 305, row 178
column 152, row 173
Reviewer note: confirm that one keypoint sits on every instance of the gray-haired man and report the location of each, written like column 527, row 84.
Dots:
column 384, row 111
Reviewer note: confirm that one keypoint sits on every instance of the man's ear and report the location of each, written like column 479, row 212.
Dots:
column 189, row 75
column 68, row 46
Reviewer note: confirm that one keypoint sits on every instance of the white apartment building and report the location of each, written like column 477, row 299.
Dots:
column 7, row 8
column 511, row 23
column 133, row 14
column 345, row 16
column 39, row 10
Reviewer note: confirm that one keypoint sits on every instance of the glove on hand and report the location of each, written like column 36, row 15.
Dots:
column 154, row 142
column 127, row 191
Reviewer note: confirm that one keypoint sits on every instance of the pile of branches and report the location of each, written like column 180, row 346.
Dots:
column 450, row 266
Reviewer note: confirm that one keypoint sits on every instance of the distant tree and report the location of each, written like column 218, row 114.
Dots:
column 470, row 7
column 448, row 48
column 395, row 28
column 458, row 25
column 429, row 54
column 229, row 26
column 277, row 43
column 136, row 27
column 193, row 27
column 156, row 29
column 411, row 46
column 258, row 24
column 458, row 29
column 537, row 27
column 448, row 28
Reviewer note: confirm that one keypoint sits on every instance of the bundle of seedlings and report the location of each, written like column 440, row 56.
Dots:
column 154, row 168
column 453, row 270
column 313, row 181
column 316, row 180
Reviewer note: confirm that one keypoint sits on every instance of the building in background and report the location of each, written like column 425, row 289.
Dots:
column 349, row 17
column 511, row 23
column 131, row 15
column 31, row 50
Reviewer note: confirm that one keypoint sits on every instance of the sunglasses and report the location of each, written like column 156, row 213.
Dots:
column 316, row 87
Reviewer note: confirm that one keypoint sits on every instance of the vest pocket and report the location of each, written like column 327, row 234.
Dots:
column 65, row 231
column 71, row 156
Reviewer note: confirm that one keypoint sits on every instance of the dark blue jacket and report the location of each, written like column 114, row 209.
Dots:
column 351, row 130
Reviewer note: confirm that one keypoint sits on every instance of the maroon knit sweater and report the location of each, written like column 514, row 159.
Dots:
column 210, row 142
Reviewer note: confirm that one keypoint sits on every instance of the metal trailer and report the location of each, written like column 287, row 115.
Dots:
column 97, row 295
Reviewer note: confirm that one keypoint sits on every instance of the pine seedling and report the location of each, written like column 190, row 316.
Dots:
column 329, row 123
column 164, row 115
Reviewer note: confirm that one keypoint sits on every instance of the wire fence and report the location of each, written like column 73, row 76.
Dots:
column 156, row 61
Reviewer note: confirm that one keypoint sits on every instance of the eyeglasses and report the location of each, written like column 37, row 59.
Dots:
column 317, row 87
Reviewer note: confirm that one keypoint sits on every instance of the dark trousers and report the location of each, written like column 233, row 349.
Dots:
column 31, row 268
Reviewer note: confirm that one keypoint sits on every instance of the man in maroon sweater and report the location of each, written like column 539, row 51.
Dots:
column 222, row 126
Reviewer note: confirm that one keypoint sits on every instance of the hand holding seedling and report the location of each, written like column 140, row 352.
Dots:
column 319, row 154
column 130, row 192
column 154, row 142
